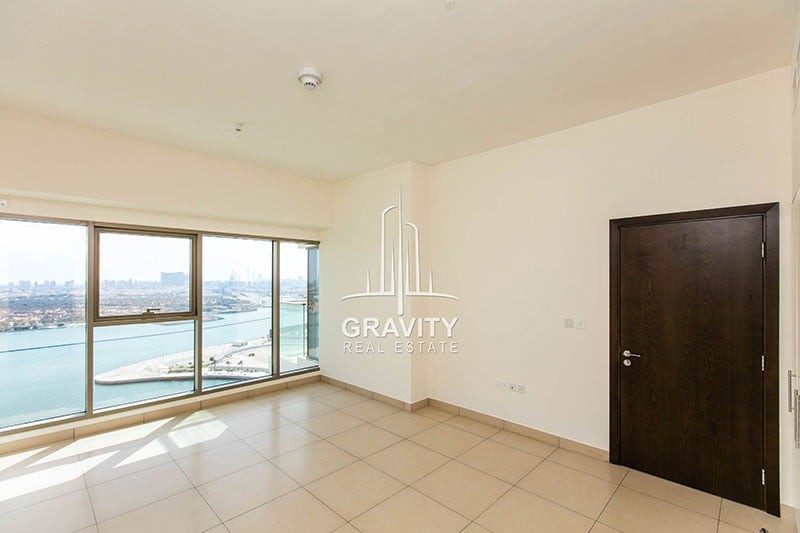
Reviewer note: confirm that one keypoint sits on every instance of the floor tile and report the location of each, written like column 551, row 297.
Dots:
column 521, row 512
column 370, row 410
column 447, row 440
column 521, row 442
column 198, row 432
column 695, row 500
column 101, row 466
column 473, row 426
column 185, row 512
column 217, row 529
column 13, row 463
column 404, row 424
column 753, row 519
column 231, row 411
column 499, row 460
column 27, row 484
column 575, row 490
column 632, row 511
column 410, row 512
column 260, row 421
column 462, row 488
column 312, row 390
column 475, row 528
column 364, row 440
column 340, row 399
column 281, row 440
column 330, row 423
column 440, row 415
column 602, row 528
column 296, row 512
column 312, row 462
column 280, row 398
column 347, row 528
column 66, row 513
column 354, row 489
column 123, row 494
column 125, row 437
column 601, row 469
column 236, row 493
column 728, row 528
column 302, row 410
column 407, row 461
column 212, row 464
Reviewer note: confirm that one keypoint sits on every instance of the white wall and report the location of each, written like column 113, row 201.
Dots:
column 48, row 159
column 347, row 251
column 795, row 359
column 520, row 234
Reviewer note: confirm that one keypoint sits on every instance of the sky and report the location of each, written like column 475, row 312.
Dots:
column 39, row 251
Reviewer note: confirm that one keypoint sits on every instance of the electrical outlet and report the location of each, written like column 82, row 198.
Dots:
column 580, row 323
column 511, row 387
column 569, row 323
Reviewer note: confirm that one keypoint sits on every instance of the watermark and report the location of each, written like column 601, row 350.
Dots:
column 400, row 334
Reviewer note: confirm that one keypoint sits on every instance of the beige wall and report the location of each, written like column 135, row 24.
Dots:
column 47, row 159
column 520, row 234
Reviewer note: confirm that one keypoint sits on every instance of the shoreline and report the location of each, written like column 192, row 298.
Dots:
column 219, row 362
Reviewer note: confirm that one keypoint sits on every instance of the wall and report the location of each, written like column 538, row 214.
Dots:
column 348, row 250
column 52, row 160
column 534, row 248
column 795, row 141
column 520, row 234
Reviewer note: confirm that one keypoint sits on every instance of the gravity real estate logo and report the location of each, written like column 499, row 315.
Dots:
column 401, row 334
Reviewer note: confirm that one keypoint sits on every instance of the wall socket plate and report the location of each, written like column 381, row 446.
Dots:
column 574, row 323
column 511, row 387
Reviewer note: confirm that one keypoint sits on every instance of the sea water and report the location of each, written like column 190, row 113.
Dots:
column 42, row 371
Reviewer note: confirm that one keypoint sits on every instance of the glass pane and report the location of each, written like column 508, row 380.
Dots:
column 140, row 273
column 139, row 362
column 237, row 310
column 299, row 306
column 42, row 320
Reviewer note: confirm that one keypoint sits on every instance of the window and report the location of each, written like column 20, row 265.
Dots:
column 104, row 317
column 42, row 320
column 237, row 309
column 138, row 362
column 299, row 341
column 144, row 274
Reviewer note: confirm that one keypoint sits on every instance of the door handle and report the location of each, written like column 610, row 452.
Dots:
column 627, row 353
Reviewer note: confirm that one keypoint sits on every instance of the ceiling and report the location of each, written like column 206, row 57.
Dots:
column 404, row 79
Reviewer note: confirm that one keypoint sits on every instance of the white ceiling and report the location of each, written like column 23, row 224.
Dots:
column 404, row 79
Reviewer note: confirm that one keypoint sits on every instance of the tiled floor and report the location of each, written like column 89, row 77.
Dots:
column 317, row 458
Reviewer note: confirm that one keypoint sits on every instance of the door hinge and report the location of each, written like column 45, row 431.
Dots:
column 763, row 249
column 763, row 477
column 762, row 363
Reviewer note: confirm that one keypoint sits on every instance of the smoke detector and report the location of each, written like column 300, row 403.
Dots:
column 309, row 77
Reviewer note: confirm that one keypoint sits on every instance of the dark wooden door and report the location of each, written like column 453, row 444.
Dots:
column 691, row 312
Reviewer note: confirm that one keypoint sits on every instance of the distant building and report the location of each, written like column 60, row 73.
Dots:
column 174, row 279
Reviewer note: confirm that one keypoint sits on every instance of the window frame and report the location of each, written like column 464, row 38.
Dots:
column 118, row 320
column 93, row 320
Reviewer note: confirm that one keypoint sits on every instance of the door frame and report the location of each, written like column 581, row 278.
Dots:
column 769, row 213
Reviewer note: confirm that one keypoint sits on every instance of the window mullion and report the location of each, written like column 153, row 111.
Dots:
column 276, row 308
